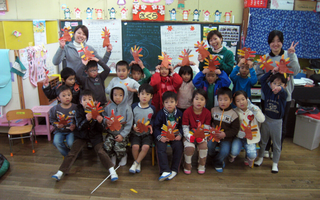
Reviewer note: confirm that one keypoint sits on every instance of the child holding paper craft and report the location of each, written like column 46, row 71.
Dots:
column 250, row 116
column 195, row 119
column 70, row 51
column 186, row 89
column 89, row 129
column 61, row 116
column 143, row 118
column 227, row 120
column 122, row 68
column 169, row 120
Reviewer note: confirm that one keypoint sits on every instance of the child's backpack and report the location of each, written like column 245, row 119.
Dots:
column 4, row 165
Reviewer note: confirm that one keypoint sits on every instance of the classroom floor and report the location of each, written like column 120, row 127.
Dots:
column 29, row 177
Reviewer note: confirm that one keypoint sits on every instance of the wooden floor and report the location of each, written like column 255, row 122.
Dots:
column 29, row 177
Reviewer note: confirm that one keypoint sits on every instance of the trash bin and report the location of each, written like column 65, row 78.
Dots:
column 307, row 131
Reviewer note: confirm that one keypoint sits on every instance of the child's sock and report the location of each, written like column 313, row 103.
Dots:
column 113, row 173
column 58, row 175
column 201, row 169
column 114, row 160
column 231, row 158
column 258, row 162
column 123, row 160
column 133, row 168
column 172, row 175
column 250, row 162
column 138, row 168
column 274, row 168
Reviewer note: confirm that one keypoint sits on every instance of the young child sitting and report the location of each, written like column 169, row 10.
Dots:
column 240, row 79
column 186, row 90
column 213, row 81
column 61, row 116
column 143, row 113
column 169, row 114
column 68, row 78
column 227, row 119
column 89, row 129
column 122, row 68
column 118, row 124
column 249, row 134
column 194, row 115
column 165, row 79
column 94, row 81
column 275, row 97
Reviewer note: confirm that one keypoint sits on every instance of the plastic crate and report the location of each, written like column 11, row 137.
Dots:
column 255, row 3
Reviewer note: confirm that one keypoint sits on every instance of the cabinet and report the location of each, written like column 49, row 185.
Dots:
column 53, row 81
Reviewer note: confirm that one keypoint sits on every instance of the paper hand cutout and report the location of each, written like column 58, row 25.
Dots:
column 246, row 53
column 136, row 53
column 198, row 134
column 185, row 57
column 166, row 60
column 282, row 65
column 67, row 34
column 211, row 63
column 116, row 125
column 213, row 131
column 87, row 54
column 202, row 49
column 143, row 127
column 250, row 131
column 265, row 63
column 169, row 131
column 94, row 110
column 106, row 36
column 63, row 120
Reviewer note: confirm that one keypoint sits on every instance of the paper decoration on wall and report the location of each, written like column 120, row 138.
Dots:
column 265, row 63
column 217, row 16
column 202, row 49
column 185, row 57
column 166, row 60
column 213, row 131
column 63, row 6
column 116, row 124
column 67, row 12
column 121, row 2
column 99, row 13
column 283, row 66
column 62, row 120
column 168, row 2
column 36, row 63
column 136, row 53
column 135, row 2
column 206, row 15
column 95, row 110
column 143, row 127
column 87, row 54
column 112, row 13
column 250, row 131
column 185, row 15
column 77, row 12
column 173, row 14
column 16, row 33
column 211, row 63
column 148, row 12
column 67, row 34
column 228, row 16
column 196, row 14
column 246, row 53
column 124, row 13
column 169, row 131
column 89, row 12
column 151, row 1
column 198, row 134
column 181, row 4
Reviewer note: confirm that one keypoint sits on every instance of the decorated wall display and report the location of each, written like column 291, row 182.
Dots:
column 77, row 12
column 124, row 13
column 148, row 12
column 39, row 32
column 151, row 1
column 168, row 2
column 112, row 13
column 206, row 15
column 230, row 34
column 228, row 16
column 99, row 13
column 89, row 12
column 121, row 2
column 206, row 30
column 67, row 13
column 36, row 57
column 181, row 4
column 185, row 15
column 196, row 14
column 173, row 14
column 217, row 16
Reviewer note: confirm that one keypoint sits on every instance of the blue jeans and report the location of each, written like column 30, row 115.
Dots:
column 218, row 157
column 250, row 148
column 58, row 141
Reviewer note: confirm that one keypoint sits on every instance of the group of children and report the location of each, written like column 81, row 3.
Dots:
column 170, row 109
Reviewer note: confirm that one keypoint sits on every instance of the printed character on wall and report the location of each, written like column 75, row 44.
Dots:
column 196, row 14
column 181, row 4
column 228, row 16
column 99, row 13
column 168, row 2
column 112, row 13
column 206, row 15
column 217, row 16
column 124, row 12
column 67, row 12
column 135, row 2
column 77, row 12
column 185, row 15
column 121, row 2
column 89, row 13
column 173, row 14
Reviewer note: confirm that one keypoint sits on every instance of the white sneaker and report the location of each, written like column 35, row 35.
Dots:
column 266, row 154
column 172, row 175
column 164, row 176
column 258, row 162
column 138, row 168
column 271, row 155
column 123, row 160
column 114, row 160
column 133, row 168
column 57, row 176
column 274, row 168
column 113, row 173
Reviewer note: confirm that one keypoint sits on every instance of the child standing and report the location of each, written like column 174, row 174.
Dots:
column 123, row 71
column 213, row 81
column 165, row 79
column 94, row 81
column 249, row 115
column 191, row 117
column 186, row 90
column 89, row 129
column 226, row 118
column 62, row 118
column 173, row 115
column 118, row 125
column 241, row 81
column 143, row 113
column 275, row 97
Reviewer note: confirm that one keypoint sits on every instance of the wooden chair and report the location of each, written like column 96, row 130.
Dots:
column 21, row 131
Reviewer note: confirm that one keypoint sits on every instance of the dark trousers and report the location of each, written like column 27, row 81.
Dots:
column 177, row 151
column 77, row 146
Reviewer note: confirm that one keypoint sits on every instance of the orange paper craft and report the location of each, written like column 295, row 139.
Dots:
column 202, row 49
column 185, row 57
column 265, row 63
column 199, row 133
column 106, row 36
column 166, row 60
column 246, row 53
column 67, row 34
column 211, row 63
column 283, row 66
column 169, row 131
column 116, row 125
column 143, row 127
column 95, row 110
column 213, row 131
column 136, row 53
column 87, row 54
column 250, row 131
column 63, row 120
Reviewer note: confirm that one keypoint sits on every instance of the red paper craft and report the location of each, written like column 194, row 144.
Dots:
column 169, row 131
column 198, row 134
column 116, row 125
column 67, row 34
column 106, row 36
column 166, row 60
column 250, row 131
column 87, row 54
column 202, row 49
column 148, row 13
column 143, row 127
column 282, row 65
column 185, row 57
column 213, row 131
column 94, row 110
column 265, row 63
column 63, row 120
column 136, row 53
column 246, row 53
column 211, row 63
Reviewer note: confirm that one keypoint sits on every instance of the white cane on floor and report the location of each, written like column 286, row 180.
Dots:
column 104, row 180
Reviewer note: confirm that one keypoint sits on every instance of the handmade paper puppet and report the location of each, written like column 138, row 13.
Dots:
column 112, row 13
column 228, row 16
column 169, row 131
column 95, row 110
column 181, row 4
column 143, row 127
column 202, row 49
column 62, row 120
column 265, row 63
column 185, row 15
column 99, row 13
column 124, row 13
column 173, row 14
column 196, row 14
column 67, row 34
column 67, row 12
column 213, row 131
column 206, row 15
column 217, row 16
column 77, row 12
column 116, row 124
column 246, row 53
column 198, row 134
column 136, row 53
column 89, row 12
column 211, row 63
column 283, row 66
column 250, row 131
column 106, row 37
column 185, row 57
column 166, row 60
column 87, row 54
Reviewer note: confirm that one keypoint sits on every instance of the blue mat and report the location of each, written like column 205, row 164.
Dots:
column 5, row 78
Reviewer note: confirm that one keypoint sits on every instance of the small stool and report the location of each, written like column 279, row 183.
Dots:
column 42, row 111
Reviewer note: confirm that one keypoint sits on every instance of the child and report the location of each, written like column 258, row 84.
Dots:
column 88, row 130
column 165, row 79
column 138, row 71
column 249, row 115
column 122, row 68
column 191, row 117
column 63, row 131
column 172, row 114
column 275, row 97
column 241, row 81
column 213, row 81
column 68, row 77
column 227, row 119
column 144, row 113
column 186, row 90
column 94, row 81
column 119, row 113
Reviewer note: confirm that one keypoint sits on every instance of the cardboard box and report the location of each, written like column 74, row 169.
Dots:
column 305, row 5
column 282, row 4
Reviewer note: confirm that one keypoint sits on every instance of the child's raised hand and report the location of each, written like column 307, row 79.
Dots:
column 46, row 81
column 292, row 50
column 84, row 62
column 62, row 43
column 132, row 63
column 71, row 127
column 89, row 116
column 276, row 90
column 242, row 60
column 177, row 65
column 158, row 67
column 275, row 70
column 200, row 59
column 118, row 138
column 217, row 71
column 178, row 137
column 109, row 48
column 94, row 59
column 221, row 135
column 99, row 118
column 170, row 68
column 192, row 63
column 164, row 139
column 205, row 71
column 151, row 130
column 250, row 63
